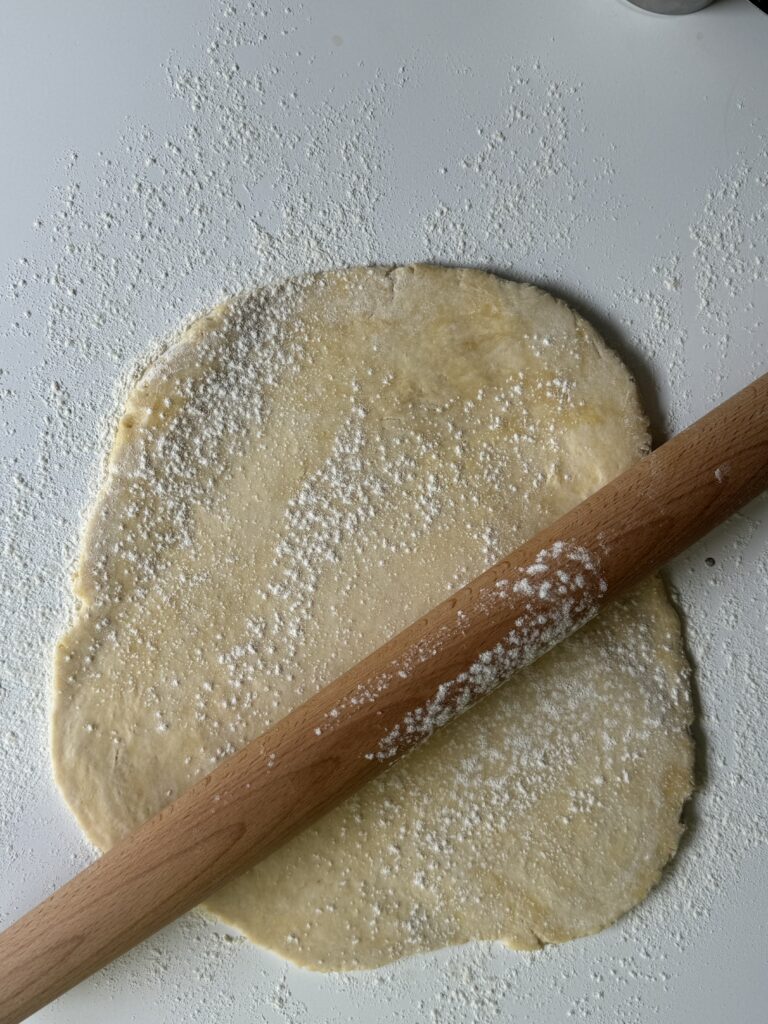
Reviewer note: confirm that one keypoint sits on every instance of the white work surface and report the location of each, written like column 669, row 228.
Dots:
column 156, row 154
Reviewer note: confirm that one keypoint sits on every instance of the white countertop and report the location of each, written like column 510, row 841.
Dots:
column 154, row 155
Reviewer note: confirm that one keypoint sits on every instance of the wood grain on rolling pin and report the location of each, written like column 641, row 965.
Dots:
column 389, row 702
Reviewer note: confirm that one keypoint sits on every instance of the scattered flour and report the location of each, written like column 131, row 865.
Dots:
column 136, row 236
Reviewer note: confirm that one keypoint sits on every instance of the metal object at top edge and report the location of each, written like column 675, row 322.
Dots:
column 671, row 6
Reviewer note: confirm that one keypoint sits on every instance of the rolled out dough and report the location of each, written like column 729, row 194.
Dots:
column 300, row 474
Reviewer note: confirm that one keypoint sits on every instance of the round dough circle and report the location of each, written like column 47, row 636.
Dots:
column 303, row 472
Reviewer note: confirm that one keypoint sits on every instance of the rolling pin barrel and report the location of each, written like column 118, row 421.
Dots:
column 390, row 702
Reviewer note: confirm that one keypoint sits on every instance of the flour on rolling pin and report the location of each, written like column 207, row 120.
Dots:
column 303, row 473
column 560, row 590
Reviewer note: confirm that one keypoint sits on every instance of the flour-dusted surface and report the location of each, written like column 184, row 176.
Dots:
column 634, row 145
column 305, row 472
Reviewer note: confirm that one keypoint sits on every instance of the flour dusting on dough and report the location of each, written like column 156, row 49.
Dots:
column 304, row 472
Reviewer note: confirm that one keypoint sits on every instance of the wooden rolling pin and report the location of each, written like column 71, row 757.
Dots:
column 377, row 711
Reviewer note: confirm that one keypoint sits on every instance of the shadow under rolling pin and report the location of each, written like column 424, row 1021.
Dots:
column 390, row 702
